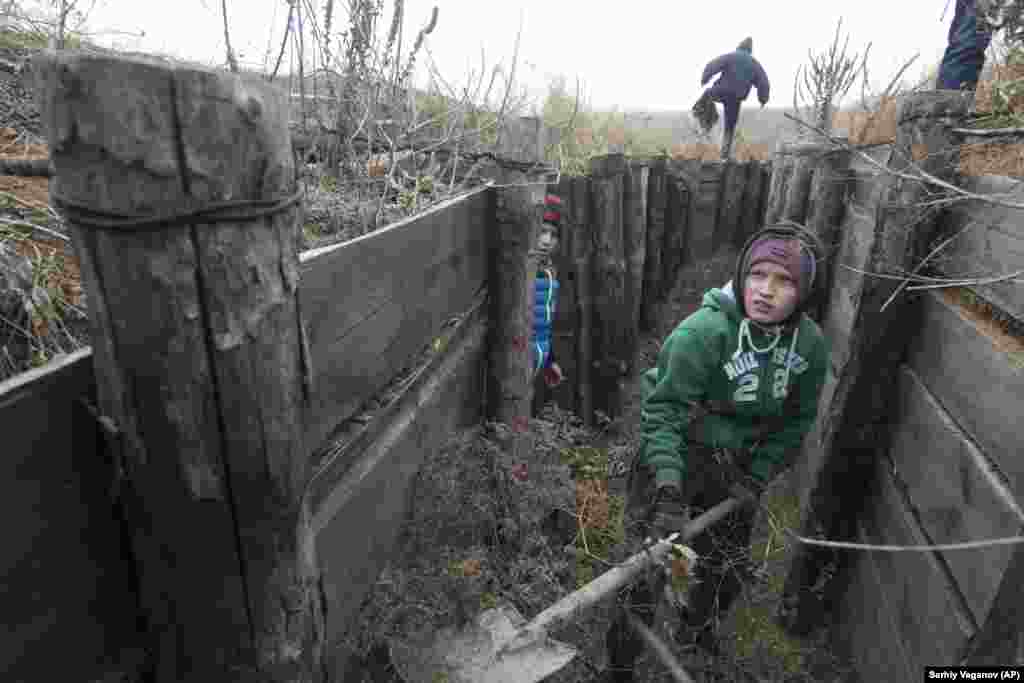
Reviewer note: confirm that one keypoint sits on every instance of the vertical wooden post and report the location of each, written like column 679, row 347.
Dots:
column 750, row 220
column 654, row 285
column 704, row 211
column 804, row 158
column 838, row 463
column 825, row 213
column 611, row 274
column 582, row 256
column 511, row 284
column 730, row 212
column 782, row 170
column 199, row 350
column 680, row 188
column 635, row 229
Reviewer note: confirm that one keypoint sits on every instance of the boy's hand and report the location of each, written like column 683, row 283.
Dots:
column 668, row 514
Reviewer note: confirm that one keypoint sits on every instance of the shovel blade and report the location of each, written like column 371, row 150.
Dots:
column 475, row 653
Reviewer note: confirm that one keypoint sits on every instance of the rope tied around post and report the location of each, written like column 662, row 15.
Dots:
column 233, row 211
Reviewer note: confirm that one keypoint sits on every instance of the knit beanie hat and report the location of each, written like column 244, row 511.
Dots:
column 747, row 44
column 791, row 254
column 552, row 209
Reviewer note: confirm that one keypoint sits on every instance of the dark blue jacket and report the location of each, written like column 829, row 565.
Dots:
column 740, row 71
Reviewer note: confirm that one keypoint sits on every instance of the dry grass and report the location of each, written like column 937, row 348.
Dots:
column 869, row 127
column 702, row 151
column 1001, row 73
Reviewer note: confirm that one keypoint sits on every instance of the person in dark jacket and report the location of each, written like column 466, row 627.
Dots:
column 739, row 73
column 969, row 37
column 734, row 393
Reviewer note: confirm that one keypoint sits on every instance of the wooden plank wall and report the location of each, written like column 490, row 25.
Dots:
column 371, row 304
column 951, row 471
column 68, row 597
column 991, row 241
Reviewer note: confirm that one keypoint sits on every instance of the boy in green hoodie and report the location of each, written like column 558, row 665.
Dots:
column 733, row 394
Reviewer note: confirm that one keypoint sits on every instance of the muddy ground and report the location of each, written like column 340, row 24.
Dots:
column 485, row 531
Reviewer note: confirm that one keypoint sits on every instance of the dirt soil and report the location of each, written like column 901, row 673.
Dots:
column 484, row 530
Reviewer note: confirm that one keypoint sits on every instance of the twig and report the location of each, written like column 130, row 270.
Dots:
column 968, row 545
column 1009, row 277
column 33, row 226
column 660, row 649
column 989, row 132
column 923, row 177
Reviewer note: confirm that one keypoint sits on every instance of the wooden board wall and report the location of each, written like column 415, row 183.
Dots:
column 953, row 490
column 372, row 303
column 69, row 599
column 991, row 242
column 358, row 520
column 974, row 381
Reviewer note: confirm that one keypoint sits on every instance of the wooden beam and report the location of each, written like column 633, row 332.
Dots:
column 198, row 349
column 583, row 259
column 610, row 281
column 654, row 286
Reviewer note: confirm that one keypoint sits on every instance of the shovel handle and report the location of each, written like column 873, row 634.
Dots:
column 566, row 609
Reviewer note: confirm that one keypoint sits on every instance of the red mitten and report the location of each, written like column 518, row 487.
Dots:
column 553, row 375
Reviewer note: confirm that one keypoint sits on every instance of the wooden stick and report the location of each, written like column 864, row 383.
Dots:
column 660, row 649
column 571, row 606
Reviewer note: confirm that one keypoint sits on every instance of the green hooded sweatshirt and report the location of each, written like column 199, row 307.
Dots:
column 705, row 362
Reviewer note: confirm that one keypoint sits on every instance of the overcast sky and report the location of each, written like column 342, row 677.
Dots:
column 644, row 54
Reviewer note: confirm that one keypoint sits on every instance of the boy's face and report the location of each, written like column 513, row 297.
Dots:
column 770, row 293
column 547, row 241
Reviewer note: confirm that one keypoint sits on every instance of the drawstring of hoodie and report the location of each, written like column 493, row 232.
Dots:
column 776, row 336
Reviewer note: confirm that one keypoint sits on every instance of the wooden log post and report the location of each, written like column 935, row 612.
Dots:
column 730, row 212
column 654, row 288
column 825, row 213
column 582, row 258
column 679, row 183
column 635, row 232
column 838, row 462
column 750, row 219
column 610, row 281
column 510, row 375
column 804, row 158
column 704, row 206
column 198, row 348
column 781, row 171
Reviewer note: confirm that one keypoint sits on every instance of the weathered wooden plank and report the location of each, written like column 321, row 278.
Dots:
column 582, row 256
column 974, row 381
column 782, row 170
column 654, row 286
column 634, row 229
column 358, row 520
column 704, row 207
column 680, row 186
column 932, row 618
column 729, row 224
column 371, row 304
column 866, row 627
column 1001, row 639
column 750, row 216
column 798, row 188
column 953, row 490
column 68, row 589
column 825, row 213
column 848, row 282
column 992, row 246
column 610, row 276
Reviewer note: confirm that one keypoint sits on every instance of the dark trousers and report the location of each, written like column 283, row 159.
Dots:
column 965, row 50
column 723, row 552
column 731, row 115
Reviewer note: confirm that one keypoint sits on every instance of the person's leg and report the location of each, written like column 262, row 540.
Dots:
column 732, row 115
column 723, row 553
column 622, row 643
column 965, row 52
